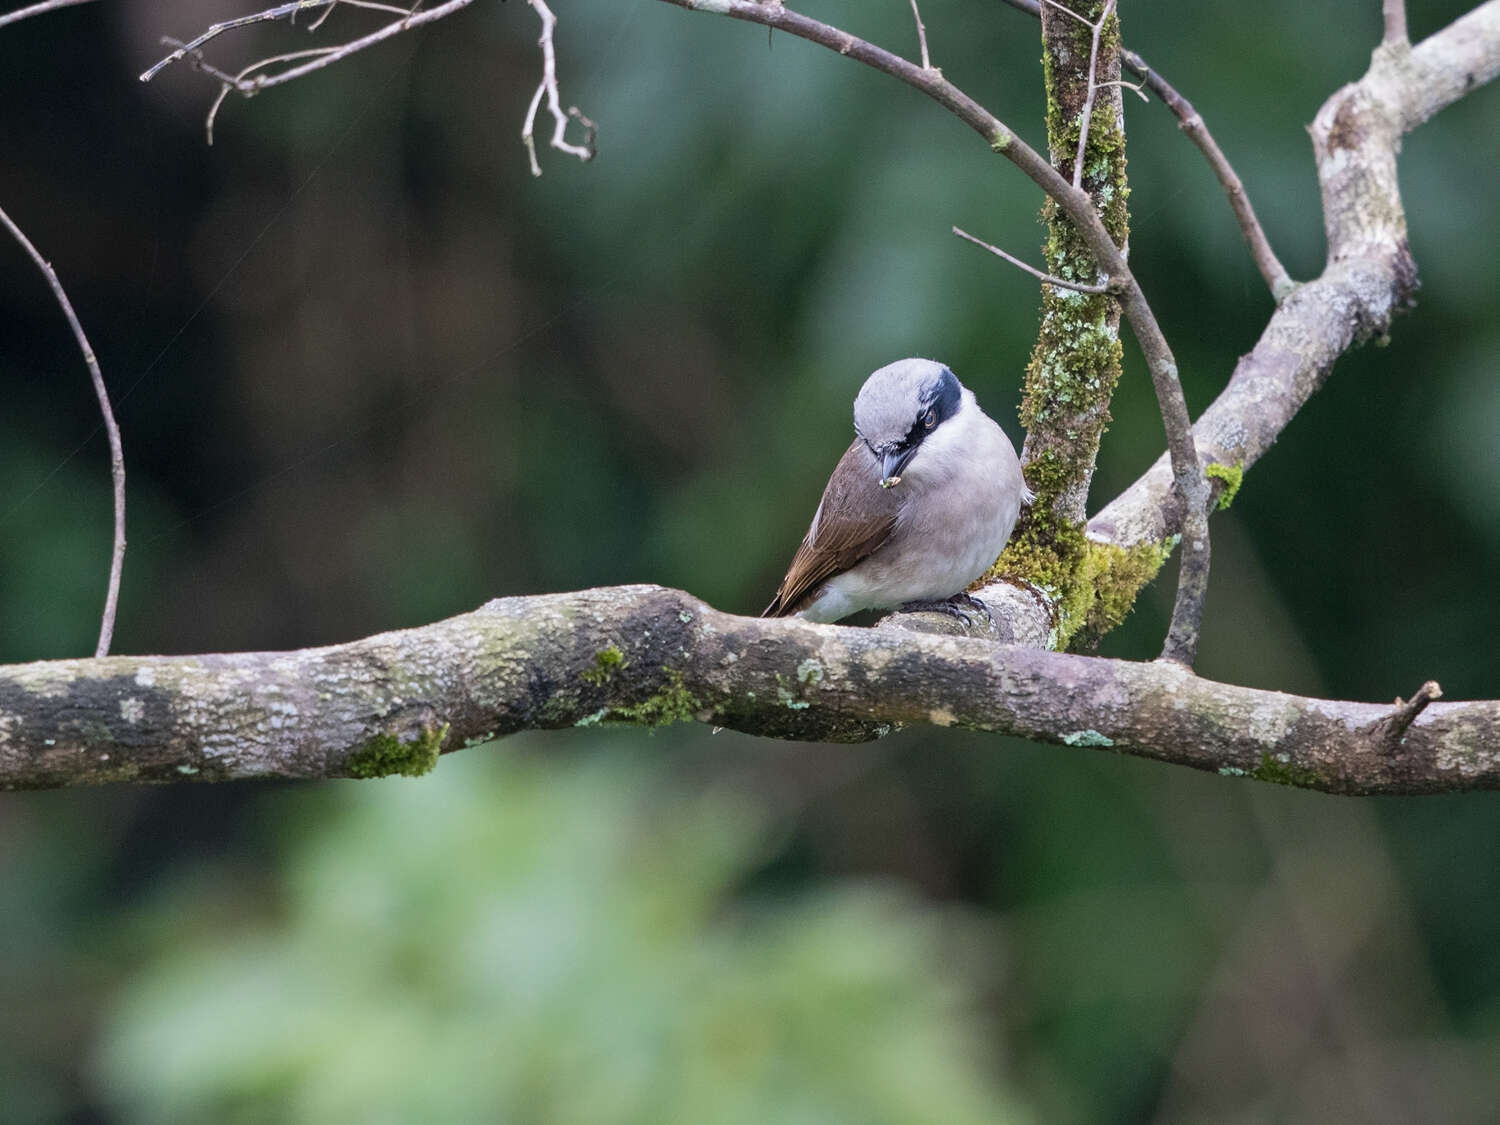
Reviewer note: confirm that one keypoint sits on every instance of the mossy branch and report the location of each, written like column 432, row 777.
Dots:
column 391, row 703
column 1075, row 363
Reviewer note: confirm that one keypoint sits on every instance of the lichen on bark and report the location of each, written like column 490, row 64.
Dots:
column 1075, row 364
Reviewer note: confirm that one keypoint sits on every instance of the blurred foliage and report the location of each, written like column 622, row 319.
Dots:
column 370, row 372
column 517, row 942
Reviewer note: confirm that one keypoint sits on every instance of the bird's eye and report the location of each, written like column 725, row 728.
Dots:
column 929, row 419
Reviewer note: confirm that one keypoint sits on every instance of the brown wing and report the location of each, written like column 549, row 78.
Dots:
column 852, row 522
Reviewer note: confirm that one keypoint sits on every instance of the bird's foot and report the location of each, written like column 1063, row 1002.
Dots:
column 961, row 607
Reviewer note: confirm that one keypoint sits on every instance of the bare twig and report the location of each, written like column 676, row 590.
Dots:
column 1191, row 122
column 250, row 81
column 548, row 88
column 1393, row 727
column 1189, row 484
column 1059, row 282
column 590, row 127
column 921, row 36
column 1067, row 12
column 1370, row 272
column 116, row 453
column 37, row 10
column 1085, row 117
column 322, row 18
column 410, row 18
column 1394, row 12
column 228, row 83
column 1136, row 88
column 370, row 4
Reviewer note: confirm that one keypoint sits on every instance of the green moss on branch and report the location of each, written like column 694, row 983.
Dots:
column 1276, row 769
column 1092, row 585
column 1075, row 364
column 672, row 704
column 1231, row 477
column 385, row 754
column 607, row 661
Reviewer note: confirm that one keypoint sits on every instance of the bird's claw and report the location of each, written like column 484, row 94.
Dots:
column 959, row 607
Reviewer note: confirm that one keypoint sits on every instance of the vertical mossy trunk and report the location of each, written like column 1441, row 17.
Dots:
column 1076, row 362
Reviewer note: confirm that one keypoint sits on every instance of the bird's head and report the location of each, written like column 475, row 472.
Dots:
column 899, row 407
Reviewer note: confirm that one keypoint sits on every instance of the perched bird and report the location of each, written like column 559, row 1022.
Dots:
column 917, row 508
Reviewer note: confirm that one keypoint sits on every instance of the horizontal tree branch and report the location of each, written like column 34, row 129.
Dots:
column 649, row 655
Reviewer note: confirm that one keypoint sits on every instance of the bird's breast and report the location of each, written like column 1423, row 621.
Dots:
column 954, row 521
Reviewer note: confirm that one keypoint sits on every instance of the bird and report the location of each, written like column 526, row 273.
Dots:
column 919, row 506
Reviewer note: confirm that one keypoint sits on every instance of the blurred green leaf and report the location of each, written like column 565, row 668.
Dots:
column 538, row 941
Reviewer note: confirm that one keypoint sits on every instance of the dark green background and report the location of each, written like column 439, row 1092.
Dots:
column 370, row 373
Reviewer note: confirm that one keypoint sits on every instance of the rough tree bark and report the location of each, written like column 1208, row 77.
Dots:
column 647, row 655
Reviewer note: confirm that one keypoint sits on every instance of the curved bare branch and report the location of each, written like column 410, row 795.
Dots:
column 111, row 430
column 40, row 9
column 1370, row 274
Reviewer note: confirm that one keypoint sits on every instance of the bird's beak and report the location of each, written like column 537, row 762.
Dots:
column 891, row 464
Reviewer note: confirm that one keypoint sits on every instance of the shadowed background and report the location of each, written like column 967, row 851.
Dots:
column 370, row 372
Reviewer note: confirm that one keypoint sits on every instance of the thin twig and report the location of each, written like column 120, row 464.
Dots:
column 249, row 81
column 372, row 5
column 228, row 83
column 1391, row 728
column 548, row 88
column 197, row 62
column 1085, row 117
column 1395, row 20
column 527, row 137
column 38, row 10
column 590, row 128
column 409, row 19
column 1050, row 279
column 116, row 451
column 1137, row 88
column 1067, row 12
column 921, row 36
column 1191, row 122
column 322, row 18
